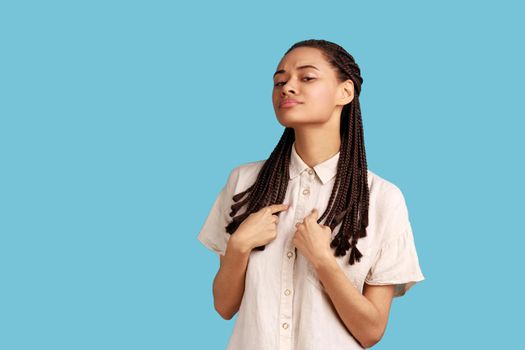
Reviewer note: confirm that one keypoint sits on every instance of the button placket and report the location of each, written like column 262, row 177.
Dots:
column 308, row 182
column 290, row 252
column 286, row 320
column 307, row 186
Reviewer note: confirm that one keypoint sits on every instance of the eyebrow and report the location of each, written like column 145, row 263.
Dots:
column 301, row 67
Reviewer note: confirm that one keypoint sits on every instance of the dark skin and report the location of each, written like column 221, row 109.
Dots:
column 365, row 315
column 259, row 228
column 316, row 123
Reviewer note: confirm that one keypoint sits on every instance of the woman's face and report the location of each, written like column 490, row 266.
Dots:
column 304, row 75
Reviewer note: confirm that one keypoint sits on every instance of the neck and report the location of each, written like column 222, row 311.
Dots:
column 314, row 146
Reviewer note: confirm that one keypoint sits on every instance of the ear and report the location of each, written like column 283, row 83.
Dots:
column 346, row 92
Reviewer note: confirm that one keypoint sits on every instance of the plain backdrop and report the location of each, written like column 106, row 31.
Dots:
column 120, row 121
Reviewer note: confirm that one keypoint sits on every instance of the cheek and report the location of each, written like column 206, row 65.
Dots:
column 322, row 99
column 275, row 96
column 319, row 106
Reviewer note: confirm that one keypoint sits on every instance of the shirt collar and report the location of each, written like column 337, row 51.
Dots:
column 325, row 170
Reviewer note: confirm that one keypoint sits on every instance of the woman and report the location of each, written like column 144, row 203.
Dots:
column 313, row 246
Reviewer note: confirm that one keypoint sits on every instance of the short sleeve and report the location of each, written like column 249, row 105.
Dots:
column 396, row 261
column 213, row 233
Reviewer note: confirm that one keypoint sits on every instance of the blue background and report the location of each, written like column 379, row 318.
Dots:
column 120, row 121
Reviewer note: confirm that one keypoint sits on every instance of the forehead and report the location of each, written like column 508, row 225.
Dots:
column 302, row 56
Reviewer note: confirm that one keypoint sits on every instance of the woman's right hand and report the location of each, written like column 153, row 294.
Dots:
column 259, row 228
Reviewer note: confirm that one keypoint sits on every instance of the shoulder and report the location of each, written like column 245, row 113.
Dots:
column 384, row 193
column 250, row 169
column 388, row 208
column 244, row 175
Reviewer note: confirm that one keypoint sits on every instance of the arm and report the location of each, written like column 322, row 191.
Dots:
column 228, row 285
column 364, row 315
column 257, row 229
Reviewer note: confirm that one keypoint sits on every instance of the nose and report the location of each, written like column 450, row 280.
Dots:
column 287, row 90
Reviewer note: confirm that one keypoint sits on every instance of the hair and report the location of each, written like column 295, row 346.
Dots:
column 348, row 203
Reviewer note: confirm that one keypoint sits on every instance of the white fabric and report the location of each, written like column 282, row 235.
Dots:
column 284, row 304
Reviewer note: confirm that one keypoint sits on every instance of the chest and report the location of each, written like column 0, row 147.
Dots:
column 281, row 267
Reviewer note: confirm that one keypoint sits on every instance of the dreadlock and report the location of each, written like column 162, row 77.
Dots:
column 348, row 203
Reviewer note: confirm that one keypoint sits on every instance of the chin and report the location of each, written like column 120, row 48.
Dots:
column 291, row 122
column 288, row 120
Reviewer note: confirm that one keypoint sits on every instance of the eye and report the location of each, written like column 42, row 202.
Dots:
column 282, row 82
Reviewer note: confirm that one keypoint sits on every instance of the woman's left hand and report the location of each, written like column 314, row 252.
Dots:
column 313, row 239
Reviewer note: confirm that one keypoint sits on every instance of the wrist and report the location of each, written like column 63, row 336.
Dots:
column 323, row 261
column 237, row 245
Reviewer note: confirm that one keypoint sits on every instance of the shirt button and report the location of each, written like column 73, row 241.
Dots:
column 290, row 254
column 306, row 191
column 287, row 292
column 285, row 325
column 310, row 171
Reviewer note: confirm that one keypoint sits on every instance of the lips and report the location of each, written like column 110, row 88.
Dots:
column 289, row 103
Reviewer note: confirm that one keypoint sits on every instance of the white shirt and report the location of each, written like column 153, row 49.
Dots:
column 284, row 305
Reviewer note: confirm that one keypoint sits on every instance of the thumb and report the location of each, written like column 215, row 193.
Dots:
column 314, row 214
column 324, row 227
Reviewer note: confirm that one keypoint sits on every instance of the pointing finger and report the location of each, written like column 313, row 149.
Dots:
column 274, row 208
column 314, row 214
